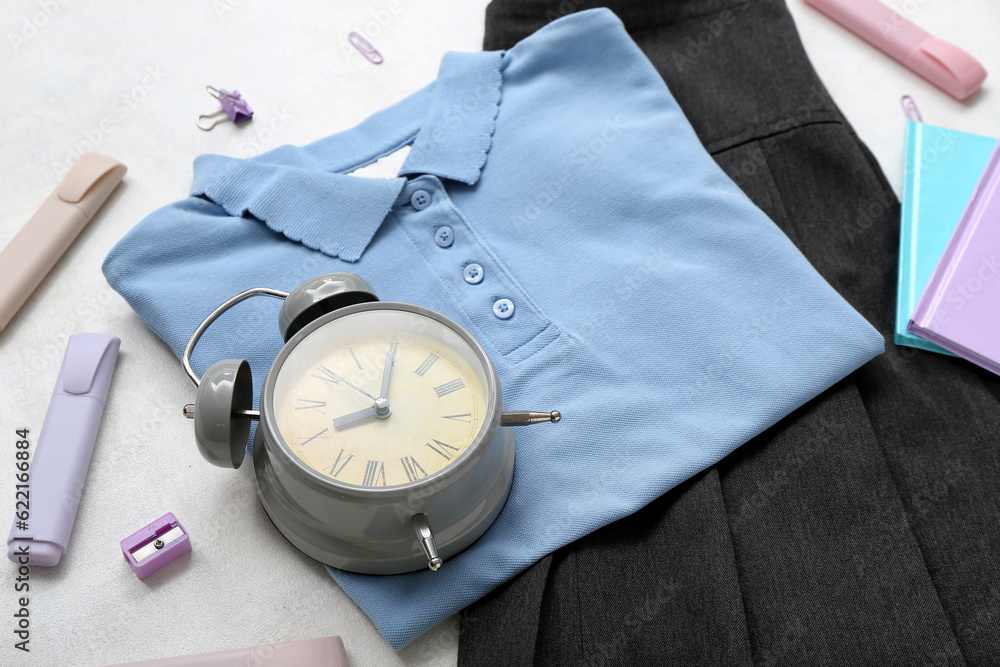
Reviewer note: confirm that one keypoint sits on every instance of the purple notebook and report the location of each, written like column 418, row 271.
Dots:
column 960, row 307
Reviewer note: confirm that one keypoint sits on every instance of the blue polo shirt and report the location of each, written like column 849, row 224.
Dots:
column 617, row 274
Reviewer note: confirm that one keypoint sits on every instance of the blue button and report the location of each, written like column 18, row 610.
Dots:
column 503, row 308
column 444, row 236
column 420, row 199
column 474, row 274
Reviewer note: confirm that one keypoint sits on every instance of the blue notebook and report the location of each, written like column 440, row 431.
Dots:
column 941, row 170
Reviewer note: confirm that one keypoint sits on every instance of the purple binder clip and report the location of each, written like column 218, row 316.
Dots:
column 233, row 106
column 150, row 548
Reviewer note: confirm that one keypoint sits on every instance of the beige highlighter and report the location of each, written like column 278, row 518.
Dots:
column 35, row 249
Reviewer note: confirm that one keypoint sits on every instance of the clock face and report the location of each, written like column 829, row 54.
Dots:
column 380, row 398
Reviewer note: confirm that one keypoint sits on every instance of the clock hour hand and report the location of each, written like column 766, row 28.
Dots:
column 340, row 422
column 390, row 359
column 380, row 409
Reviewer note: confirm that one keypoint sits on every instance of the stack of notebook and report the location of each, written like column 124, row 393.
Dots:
column 949, row 266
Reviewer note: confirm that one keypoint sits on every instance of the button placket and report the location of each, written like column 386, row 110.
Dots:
column 470, row 273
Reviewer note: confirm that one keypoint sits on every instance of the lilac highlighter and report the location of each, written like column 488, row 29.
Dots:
column 59, row 466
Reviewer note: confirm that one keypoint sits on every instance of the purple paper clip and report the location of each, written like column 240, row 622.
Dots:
column 150, row 548
column 233, row 106
column 910, row 109
column 365, row 47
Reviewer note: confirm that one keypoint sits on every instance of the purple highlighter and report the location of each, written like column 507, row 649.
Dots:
column 62, row 455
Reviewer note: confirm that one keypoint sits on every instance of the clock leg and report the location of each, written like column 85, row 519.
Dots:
column 426, row 539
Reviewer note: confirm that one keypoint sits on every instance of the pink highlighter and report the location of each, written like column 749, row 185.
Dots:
column 320, row 652
column 945, row 65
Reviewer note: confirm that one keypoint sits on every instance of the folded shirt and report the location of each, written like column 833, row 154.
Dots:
column 654, row 305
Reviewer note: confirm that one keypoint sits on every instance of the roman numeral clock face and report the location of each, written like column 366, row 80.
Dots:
column 380, row 398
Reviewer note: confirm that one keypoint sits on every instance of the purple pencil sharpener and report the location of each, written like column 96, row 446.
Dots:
column 150, row 548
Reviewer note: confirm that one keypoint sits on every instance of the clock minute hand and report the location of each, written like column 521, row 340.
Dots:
column 390, row 360
column 352, row 386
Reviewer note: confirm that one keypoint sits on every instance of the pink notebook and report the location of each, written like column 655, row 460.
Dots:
column 960, row 307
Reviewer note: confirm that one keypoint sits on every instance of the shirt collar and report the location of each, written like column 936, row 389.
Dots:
column 458, row 130
column 303, row 192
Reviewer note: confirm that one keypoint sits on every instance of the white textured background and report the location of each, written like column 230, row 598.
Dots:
column 83, row 76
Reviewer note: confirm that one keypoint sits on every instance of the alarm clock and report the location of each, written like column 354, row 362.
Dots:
column 382, row 443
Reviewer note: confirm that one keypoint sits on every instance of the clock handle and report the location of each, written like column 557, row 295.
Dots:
column 526, row 418
column 221, row 411
column 426, row 539
column 189, row 348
